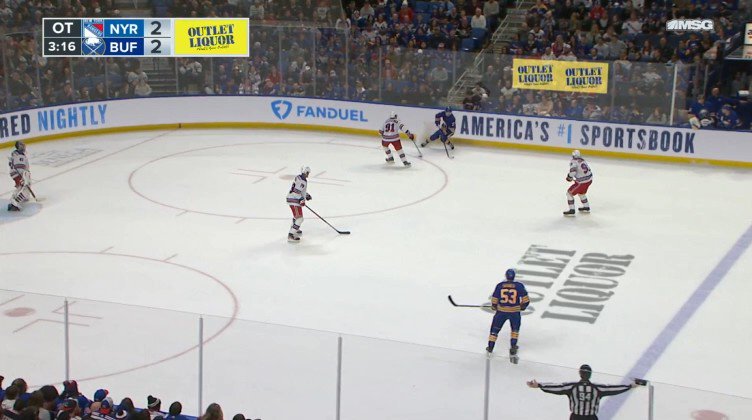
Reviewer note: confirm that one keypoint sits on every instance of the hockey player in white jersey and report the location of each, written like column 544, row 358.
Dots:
column 21, row 174
column 580, row 173
column 390, row 135
column 296, row 199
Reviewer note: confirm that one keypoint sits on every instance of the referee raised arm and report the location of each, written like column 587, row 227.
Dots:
column 584, row 396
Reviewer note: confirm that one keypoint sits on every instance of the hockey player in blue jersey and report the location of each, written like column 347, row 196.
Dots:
column 446, row 126
column 728, row 119
column 508, row 300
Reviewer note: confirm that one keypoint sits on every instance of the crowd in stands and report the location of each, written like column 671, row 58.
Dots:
column 47, row 403
column 399, row 51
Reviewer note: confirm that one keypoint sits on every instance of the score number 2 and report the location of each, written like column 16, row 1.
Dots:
column 158, row 37
column 156, row 45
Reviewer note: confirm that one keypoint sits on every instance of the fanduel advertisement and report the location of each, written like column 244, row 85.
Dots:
column 282, row 109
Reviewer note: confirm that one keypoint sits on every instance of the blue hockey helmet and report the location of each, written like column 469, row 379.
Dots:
column 448, row 111
column 510, row 274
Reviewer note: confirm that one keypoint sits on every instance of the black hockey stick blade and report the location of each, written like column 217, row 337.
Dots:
column 465, row 306
column 341, row 232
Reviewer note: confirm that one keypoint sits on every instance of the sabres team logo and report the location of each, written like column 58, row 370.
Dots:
column 93, row 31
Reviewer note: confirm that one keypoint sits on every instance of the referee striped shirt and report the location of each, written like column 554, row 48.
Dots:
column 584, row 396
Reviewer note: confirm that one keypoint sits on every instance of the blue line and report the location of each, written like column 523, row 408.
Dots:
column 679, row 321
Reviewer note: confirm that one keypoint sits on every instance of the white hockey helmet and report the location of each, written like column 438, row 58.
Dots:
column 576, row 154
column 304, row 170
column 393, row 115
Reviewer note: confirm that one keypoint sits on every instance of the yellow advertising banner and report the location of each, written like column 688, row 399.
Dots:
column 562, row 76
column 217, row 37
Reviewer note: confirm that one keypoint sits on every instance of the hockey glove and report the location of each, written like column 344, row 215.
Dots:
column 302, row 202
column 411, row 136
column 569, row 178
column 308, row 196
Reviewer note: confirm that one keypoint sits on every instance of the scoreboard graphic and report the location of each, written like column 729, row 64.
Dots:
column 190, row 37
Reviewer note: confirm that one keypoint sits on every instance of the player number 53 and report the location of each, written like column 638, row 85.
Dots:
column 509, row 296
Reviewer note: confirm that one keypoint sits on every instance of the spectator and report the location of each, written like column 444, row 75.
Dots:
column 142, row 89
column 127, row 406
column 213, row 412
column 256, row 11
column 478, row 21
column 11, row 394
column 50, row 397
column 470, row 103
column 367, row 12
column 154, row 405
column 715, row 101
column 99, row 92
column 70, row 410
column 406, row 13
column 492, row 12
column 567, row 55
column 657, row 117
column 728, row 119
column 176, row 412
column 508, row 91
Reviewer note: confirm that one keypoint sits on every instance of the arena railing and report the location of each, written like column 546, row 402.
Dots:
column 328, row 62
column 274, row 371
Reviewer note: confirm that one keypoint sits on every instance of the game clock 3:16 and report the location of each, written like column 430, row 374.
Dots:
column 62, row 46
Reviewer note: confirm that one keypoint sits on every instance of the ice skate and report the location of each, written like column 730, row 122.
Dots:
column 584, row 209
column 11, row 207
column 489, row 350
column 513, row 355
column 451, row 146
column 569, row 212
column 406, row 163
column 390, row 159
column 292, row 238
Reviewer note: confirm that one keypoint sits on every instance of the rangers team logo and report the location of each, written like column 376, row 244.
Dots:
column 93, row 31
column 281, row 109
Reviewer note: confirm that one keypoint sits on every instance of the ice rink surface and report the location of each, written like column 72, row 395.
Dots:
column 653, row 281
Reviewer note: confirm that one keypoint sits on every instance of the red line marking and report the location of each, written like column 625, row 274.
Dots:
column 97, row 159
column 230, row 320
column 236, row 216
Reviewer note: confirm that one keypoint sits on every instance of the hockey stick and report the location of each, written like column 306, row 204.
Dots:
column 341, row 232
column 420, row 154
column 465, row 306
column 32, row 194
column 446, row 149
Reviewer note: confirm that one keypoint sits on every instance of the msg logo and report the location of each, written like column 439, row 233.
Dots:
column 690, row 25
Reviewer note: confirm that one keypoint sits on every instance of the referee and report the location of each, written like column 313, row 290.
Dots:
column 584, row 396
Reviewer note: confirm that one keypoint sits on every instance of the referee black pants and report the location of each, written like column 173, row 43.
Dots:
column 581, row 417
